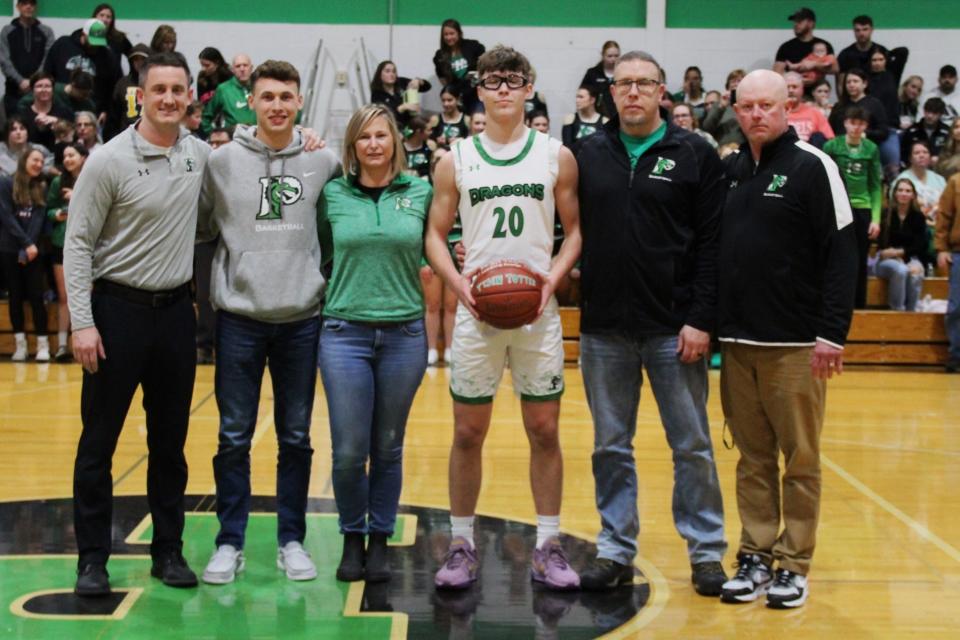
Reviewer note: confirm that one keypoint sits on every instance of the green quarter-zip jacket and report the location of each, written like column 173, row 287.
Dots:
column 376, row 249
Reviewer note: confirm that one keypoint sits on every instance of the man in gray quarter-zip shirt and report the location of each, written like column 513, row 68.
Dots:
column 128, row 259
column 260, row 195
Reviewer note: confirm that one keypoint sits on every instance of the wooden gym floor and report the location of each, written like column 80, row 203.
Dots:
column 887, row 562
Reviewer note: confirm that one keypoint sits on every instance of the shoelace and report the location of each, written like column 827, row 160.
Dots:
column 456, row 557
column 744, row 568
column 711, row 568
column 784, row 578
column 556, row 553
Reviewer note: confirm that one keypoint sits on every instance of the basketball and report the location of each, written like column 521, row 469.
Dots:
column 507, row 294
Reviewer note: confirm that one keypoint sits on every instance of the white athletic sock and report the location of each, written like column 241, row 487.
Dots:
column 61, row 338
column 547, row 527
column 462, row 527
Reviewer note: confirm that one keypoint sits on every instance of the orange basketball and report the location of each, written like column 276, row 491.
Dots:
column 507, row 294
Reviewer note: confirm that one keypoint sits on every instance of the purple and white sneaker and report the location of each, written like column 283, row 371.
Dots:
column 550, row 566
column 460, row 567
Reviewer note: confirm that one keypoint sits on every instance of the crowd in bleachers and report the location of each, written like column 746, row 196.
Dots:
column 65, row 96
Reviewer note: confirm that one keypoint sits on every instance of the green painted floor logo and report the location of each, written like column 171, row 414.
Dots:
column 38, row 564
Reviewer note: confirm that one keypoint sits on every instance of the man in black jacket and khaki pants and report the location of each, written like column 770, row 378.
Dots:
column 787, row 277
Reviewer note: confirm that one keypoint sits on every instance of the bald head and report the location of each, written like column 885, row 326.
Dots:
column 765, row 82
column 762, row 108
column 242, row 67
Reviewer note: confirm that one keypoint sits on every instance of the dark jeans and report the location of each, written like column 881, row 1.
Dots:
column 25, row 281
column 861, row 225
column 206, row 317
column 245, row 347
column 153, row 348
column 371, row 375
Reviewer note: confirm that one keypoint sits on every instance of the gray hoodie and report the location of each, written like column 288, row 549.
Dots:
column 263, row 204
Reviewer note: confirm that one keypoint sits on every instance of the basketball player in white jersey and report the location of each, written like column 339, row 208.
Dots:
column 507, row 183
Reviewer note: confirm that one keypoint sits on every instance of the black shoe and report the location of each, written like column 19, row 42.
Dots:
column 352, row 560
column 93, row 581
column 205, row 356
column 604, row 574
column 378, row 561
column 952, row 368
column 172, row 569
column 708, row 578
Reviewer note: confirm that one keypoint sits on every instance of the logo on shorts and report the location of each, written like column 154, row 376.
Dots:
column 275, row 192
column 555, row 383
column 777, row 183
column 663, row 164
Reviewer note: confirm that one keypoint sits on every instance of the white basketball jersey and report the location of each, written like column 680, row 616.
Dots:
column 506, row 199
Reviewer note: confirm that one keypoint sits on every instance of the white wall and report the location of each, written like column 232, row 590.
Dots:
column 560, row 55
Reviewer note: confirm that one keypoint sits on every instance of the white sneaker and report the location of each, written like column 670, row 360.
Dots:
column 225, row 563
column 432, row 357
column 295, row 560
column 20, row 353
column 43, row 349
column 752, row 580
column 789, row 590
column 446, row 356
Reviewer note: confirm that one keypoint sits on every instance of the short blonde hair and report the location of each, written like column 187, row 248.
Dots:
column 358, row 122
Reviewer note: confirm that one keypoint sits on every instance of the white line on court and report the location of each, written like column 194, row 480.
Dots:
column 887, row 506
column 890, row 447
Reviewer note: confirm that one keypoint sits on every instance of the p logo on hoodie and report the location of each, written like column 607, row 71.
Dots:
column 275, row 192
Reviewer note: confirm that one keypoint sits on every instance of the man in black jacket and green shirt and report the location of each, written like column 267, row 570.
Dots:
column 788, row 269
column 650, row 195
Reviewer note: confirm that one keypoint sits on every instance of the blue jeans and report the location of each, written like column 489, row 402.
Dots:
column 952, row 319
column 612, row 377
column 244, row 348
column 903, row 287
column 370, row 374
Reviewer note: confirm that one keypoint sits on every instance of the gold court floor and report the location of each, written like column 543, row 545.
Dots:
column 888, row 557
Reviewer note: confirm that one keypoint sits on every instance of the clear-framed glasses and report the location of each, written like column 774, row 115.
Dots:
column 645, row 86
column 513, row 81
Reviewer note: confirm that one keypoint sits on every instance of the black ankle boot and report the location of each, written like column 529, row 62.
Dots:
column 378, row 564
column 352, row 561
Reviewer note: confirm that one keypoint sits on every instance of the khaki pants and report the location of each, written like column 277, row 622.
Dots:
column 773, row 404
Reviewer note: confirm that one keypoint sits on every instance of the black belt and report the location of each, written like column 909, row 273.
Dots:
column 155, row 299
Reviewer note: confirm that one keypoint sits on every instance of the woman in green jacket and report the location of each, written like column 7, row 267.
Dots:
column 373, row 345
column 58, row 204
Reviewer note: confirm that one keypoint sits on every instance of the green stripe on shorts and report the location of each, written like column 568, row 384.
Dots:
column 466, row 400
column 526, row 397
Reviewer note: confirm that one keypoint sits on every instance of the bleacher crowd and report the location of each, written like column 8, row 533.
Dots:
column 896, row 140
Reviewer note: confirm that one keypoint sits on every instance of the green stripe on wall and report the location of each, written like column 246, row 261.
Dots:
column 838, row 14
column 531, row 13
column 544, row 13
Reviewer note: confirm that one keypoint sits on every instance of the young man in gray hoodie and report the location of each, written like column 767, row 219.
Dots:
column 260, row 195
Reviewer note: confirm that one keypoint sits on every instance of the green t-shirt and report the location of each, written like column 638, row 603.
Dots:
column 55, row 203
column 637, row 146
column 861, row 171
column 459, row 66
column 376, row 249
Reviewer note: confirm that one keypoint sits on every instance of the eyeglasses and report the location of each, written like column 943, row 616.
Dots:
column 644, row 85
column 513, row 81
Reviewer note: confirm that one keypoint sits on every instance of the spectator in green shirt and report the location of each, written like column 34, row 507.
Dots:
column 859, row 162
column 58, row 205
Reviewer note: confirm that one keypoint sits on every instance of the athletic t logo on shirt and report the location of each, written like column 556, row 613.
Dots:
column 276, row 191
